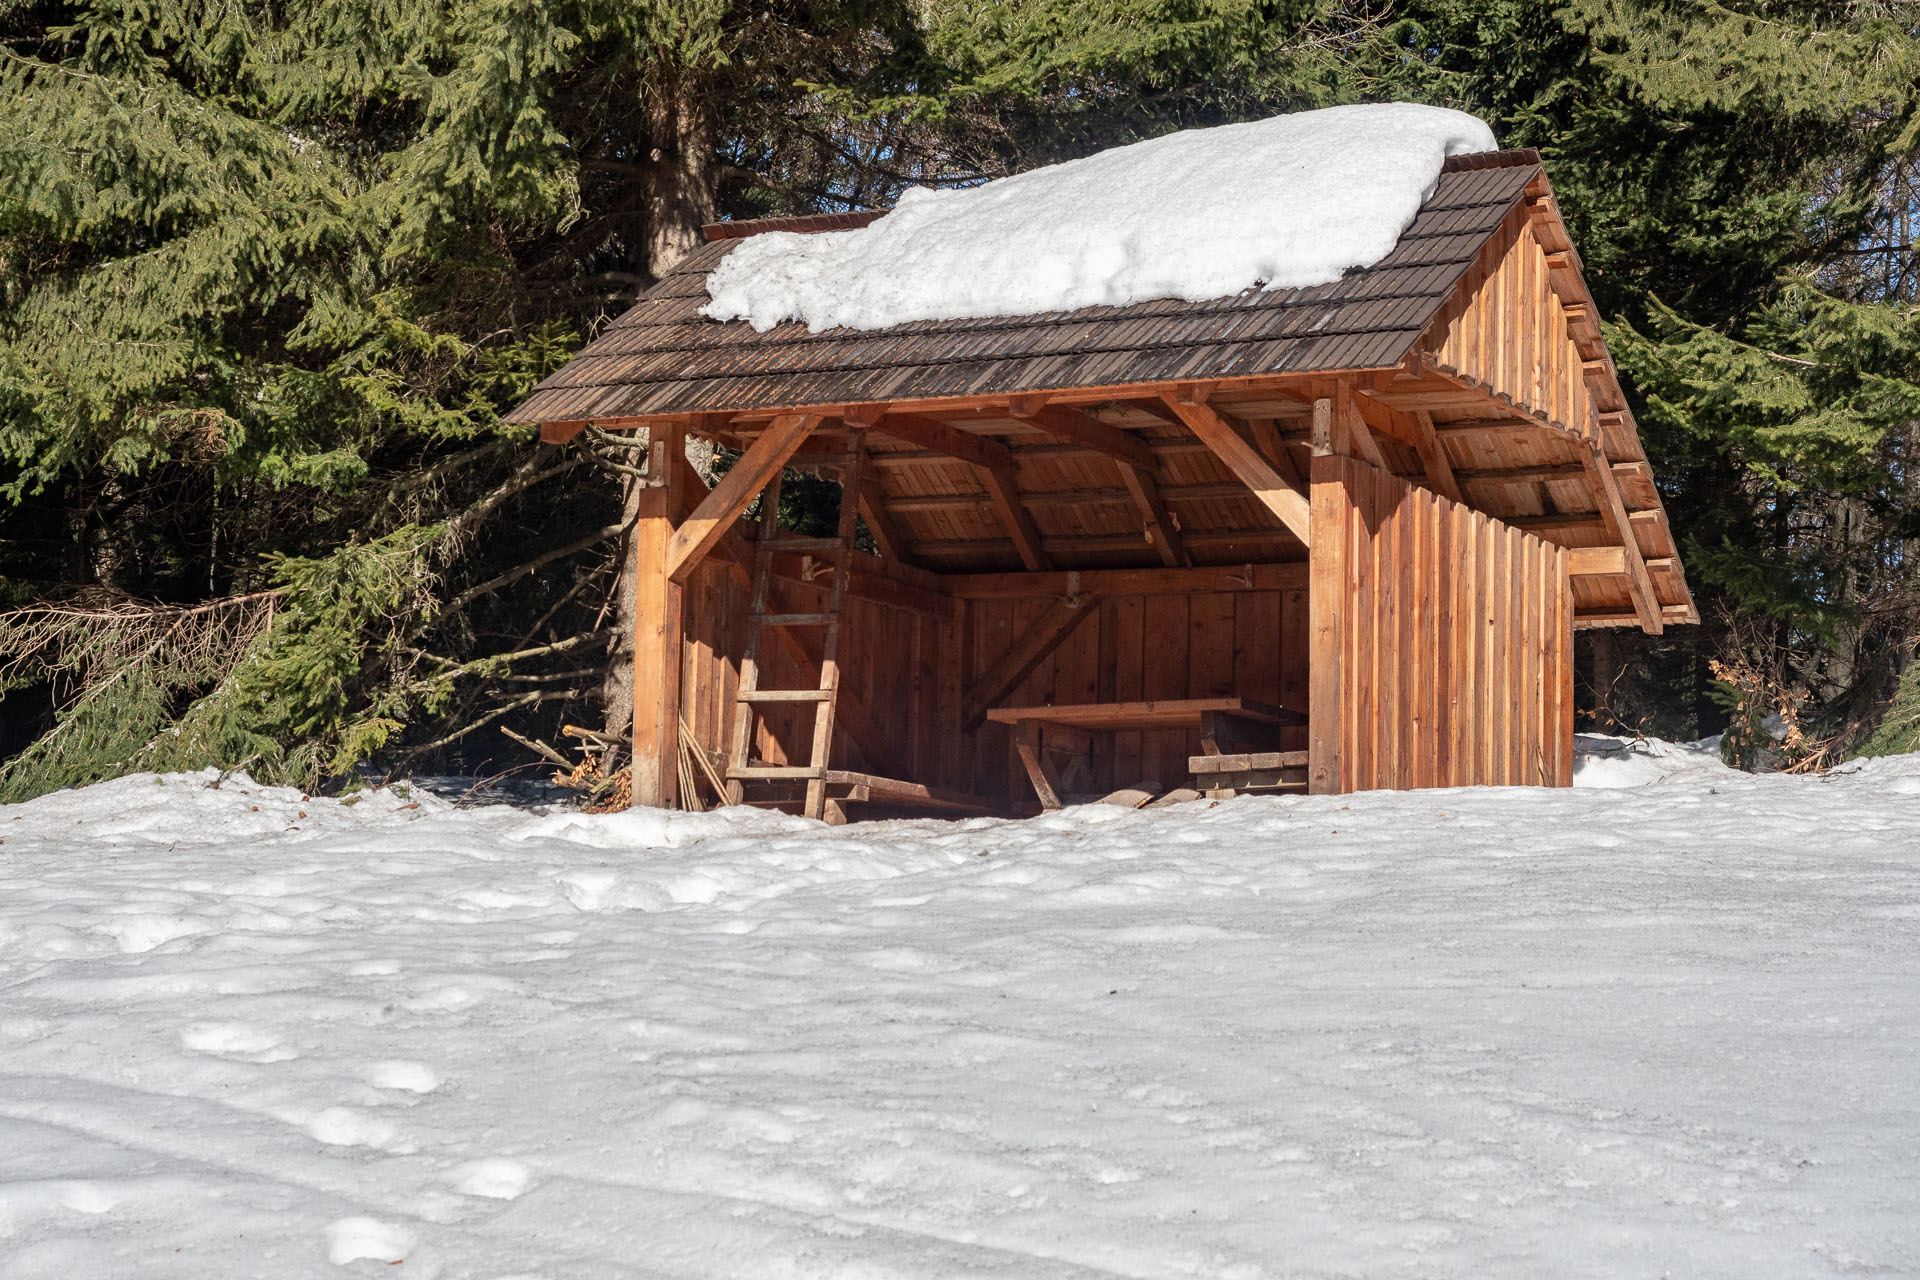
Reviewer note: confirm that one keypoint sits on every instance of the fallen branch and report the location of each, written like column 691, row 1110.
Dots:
column 539, row 748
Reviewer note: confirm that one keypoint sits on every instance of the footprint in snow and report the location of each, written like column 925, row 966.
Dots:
column 353, row 1239
column 236, row 1040
column 408, row 1077
column 341, row 1127
column 495, row 1178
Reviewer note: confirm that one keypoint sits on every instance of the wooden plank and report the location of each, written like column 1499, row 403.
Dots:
column 1248, row 760
column 1210, row 650
column 1245, row 462
column 900, row 791
column 1054, row 625
column 1147, row 713
column 716, row 513
column 1287, row 576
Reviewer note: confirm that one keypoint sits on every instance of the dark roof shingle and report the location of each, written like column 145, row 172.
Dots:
column 663, row 357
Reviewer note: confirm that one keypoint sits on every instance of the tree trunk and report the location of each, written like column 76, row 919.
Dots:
column 679, row 190
column 1606, row 674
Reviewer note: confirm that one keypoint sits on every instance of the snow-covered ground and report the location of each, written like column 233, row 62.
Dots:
column 1667, row 1029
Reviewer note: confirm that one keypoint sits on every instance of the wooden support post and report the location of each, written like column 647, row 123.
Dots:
column 716, row 513
column 1326, row 601
column 1241, row 458
column 658, row 608
column 1040, row 770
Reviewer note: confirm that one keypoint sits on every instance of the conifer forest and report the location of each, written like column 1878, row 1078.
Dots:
column 270, row 275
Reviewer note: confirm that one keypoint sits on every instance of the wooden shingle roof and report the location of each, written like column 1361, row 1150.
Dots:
column 663, row 357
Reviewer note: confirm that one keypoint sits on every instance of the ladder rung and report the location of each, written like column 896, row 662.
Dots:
column 796, row 619
column 801, row 544
column 784, row 695
column 774, row 773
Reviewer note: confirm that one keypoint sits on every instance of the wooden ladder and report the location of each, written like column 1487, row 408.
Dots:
column 823, row 698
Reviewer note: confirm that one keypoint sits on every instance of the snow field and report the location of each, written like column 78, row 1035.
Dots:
column 1286, row 202
column 1669, row 1028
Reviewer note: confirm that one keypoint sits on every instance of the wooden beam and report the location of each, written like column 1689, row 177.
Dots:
column 1178, row 493
column 1040, row 770
column 1416, row 430
column 1005, row 497
column 1352, row 424
column 886, row 534
column 721, row 507
column 1147, row 503
column 931, row 433
column 1271, row 441
column 1039, row 640
column 1272, row 544
column 1128, row 582
column 1613, row 512
column 1596, row 562
column 1521, row 475
column 1086, row 431
column 1138, row 470
column 1327, row 627
column 1244, row 461
column 1576, row 520
column 1321, row 442
column 658, row 615
column 1670, row 614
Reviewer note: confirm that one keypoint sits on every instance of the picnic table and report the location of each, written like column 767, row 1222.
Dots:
column 1229, row 727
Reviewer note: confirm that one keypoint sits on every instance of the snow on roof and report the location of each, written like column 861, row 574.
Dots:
column 1293, row 201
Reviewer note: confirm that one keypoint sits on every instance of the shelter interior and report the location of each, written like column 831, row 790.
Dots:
column 1352, row 558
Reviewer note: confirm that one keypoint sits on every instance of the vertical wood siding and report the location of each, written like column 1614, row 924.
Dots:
column 890, row 661
column 1442, row 642
column 1209, row 644
column 1506, row 330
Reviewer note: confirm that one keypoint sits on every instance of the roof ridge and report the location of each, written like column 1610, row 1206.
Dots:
column 805, row 223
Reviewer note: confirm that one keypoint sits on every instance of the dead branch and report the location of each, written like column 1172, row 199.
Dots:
column 538, row 748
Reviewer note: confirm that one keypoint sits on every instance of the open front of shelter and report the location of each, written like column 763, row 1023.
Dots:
column 1327, row 539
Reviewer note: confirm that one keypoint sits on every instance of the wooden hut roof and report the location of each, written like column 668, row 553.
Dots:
column 663, row 357
column 961, row 404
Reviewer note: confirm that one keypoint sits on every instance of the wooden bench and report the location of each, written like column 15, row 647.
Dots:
column 1229, row 726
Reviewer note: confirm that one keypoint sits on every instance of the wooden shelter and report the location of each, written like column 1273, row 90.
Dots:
column 1329, row 538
